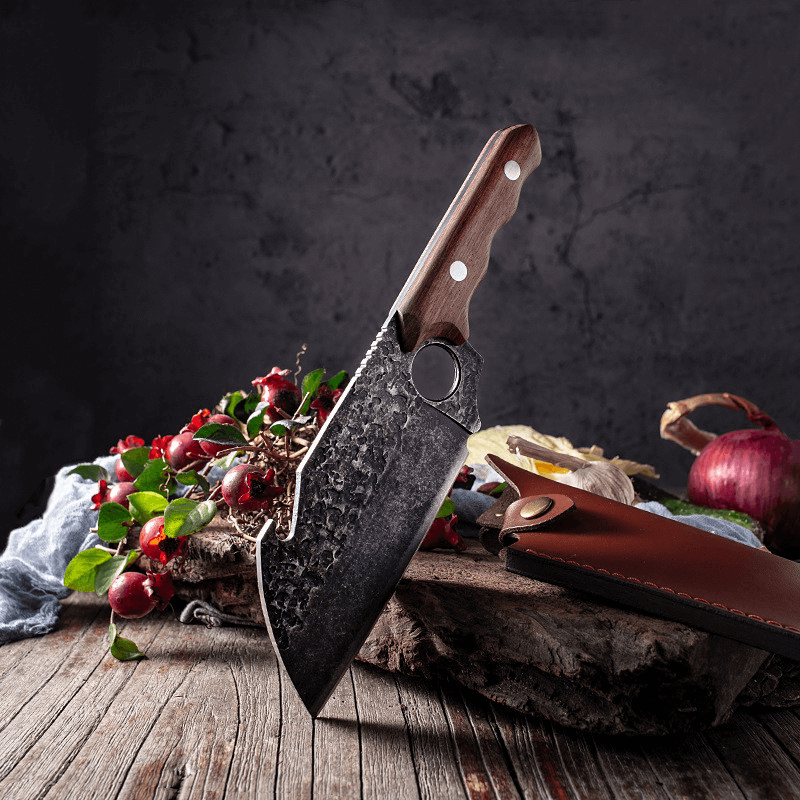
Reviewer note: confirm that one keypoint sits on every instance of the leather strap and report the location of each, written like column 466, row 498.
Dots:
column 654, row 564
column 532, row 513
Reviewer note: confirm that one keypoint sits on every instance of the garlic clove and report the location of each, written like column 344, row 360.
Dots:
column 603, row 478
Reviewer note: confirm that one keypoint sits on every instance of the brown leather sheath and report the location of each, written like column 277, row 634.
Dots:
column 655, row 564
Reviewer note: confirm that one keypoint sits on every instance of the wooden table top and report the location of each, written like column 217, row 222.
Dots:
column 208, row 715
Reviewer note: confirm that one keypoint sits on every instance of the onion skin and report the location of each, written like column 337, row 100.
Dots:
column 756, row 472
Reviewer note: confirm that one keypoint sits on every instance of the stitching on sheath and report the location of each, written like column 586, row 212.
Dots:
column 665, row 589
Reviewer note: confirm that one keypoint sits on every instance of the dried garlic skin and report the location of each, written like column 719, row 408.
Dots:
column 494, row 439
column 602, row 478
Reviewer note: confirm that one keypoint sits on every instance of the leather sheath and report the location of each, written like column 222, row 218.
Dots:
column 654, row 564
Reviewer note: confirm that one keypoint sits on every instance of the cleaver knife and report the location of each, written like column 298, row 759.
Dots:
column 378, row 471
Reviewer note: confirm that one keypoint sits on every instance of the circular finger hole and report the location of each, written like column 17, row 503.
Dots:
column 435, row 372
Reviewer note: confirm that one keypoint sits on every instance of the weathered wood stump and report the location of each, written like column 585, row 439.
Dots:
column 537, row 648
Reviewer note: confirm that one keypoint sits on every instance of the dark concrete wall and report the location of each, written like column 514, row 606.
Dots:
column 190, row 191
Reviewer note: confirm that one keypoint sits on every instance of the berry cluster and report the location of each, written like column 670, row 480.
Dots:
column 160, row 495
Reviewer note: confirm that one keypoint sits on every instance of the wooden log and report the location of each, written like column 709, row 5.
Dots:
column 554, row 652
column 535, row 647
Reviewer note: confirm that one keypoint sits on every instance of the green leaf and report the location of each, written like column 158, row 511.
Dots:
column 338, row 380
column 154, row 477
column 192, row 478
column 681, row 508
column 250, row 402
column 241, row 404
column 283, row 426
column 184, row 517
column 230, row 401
column 123, row 649
column 311, row 383
column 256, row 420
column 108, row 570
column 135, row 460
column 146, row 505
column 226, row 462
column 448, row 507
column 111, row 521
column 81, row 571
column 219, row 433
column 92, row 472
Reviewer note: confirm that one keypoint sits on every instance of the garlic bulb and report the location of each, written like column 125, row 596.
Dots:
column 602, row 478
column 598, row 477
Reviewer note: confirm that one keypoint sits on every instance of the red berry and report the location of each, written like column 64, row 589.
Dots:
column 223, row 419
column 157, row 545
column 119, row 492
column 128, row 443
column 443, row 533
column 183, row 449
column 102, row 494
column 249, row 488
column 197, row 421
column 163, row 589
column 279, row 393
column 465, row 478
column 159, row 446
column 122, row 474
column 131, row 595
column 326, row 400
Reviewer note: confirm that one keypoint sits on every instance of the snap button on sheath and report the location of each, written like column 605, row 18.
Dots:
column 536, row 507
column 532, row 513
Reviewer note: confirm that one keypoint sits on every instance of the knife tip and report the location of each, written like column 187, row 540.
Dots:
column 314, row 704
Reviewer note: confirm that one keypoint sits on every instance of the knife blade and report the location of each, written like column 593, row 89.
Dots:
column 378, row 471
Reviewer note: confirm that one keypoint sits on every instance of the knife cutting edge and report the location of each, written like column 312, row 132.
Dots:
column 378, row 471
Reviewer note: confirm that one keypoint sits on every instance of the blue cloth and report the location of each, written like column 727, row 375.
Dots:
column 469, row 506
column 722, row 527
column 32, row 566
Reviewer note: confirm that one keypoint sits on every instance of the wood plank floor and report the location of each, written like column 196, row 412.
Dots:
column 208, row 715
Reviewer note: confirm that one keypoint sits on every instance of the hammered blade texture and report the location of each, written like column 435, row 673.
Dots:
column 367, row 493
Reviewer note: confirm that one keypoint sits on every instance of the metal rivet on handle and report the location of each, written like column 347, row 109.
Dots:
column 512, row 170
column 458, row 270
column 536, row 507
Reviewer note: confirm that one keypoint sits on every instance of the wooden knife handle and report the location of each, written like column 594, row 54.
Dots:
column 435, row 300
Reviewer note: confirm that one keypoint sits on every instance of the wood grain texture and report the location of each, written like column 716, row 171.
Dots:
column 758, row 763
column 337, row 745
column 432, row 745
column 688, row 767
column 209, row 715
column 434, row 304
column 483, row 770
column 549, row 763
column 295, row 775
column 387, row 764
column 536, row 647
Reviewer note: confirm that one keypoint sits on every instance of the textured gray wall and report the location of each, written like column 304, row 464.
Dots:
column 190, row 191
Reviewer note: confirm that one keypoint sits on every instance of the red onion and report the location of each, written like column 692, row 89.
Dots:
column 754, row 471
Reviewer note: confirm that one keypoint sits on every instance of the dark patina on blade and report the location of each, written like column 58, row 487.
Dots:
column 364, row 508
